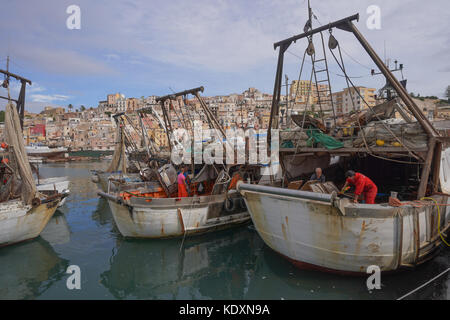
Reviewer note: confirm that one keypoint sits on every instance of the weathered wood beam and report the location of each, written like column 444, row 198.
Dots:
column 307, row 151
column 426, row 170
column 436, row 166
column 15, row 76
column 337, row 24
column 179, row 94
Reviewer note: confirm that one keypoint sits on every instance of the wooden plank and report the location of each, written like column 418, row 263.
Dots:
column 426, row 170
column 436, row 166
column 347, row 150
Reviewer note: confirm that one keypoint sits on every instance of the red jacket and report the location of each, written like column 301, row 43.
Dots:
column 361, row 183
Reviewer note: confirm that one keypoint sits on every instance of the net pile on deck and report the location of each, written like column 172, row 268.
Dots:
column 376, row 134
column 311, row 137
column 21, row 182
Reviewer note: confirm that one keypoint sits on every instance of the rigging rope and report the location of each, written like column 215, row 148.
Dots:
column 315, row 17
column 336, row 74
column 425, row 284
column 365, row 102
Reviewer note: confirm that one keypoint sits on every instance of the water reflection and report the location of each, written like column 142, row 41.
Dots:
column 215, row 266
column 233, row 264
column 102, row 213
column 28, row 269
column 276, row 278
column 57, row 230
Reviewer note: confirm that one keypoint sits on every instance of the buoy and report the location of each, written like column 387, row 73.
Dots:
column 4, row 145
column 5, row 160
column 396, row 144
column 229, row 205
column 380, row 143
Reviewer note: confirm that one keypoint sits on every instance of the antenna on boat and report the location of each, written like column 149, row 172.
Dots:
column 387, row 91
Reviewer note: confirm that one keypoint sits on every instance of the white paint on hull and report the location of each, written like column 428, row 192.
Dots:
column 19, row 222
column 164, row 221
column 319, row 234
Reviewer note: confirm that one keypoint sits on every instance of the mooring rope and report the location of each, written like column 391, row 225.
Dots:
column 425, row 284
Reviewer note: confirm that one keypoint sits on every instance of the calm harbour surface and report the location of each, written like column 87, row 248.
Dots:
column 231, row 264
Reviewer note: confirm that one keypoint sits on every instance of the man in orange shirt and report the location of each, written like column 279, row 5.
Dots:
column 237, row 176
column 182, row 186
column 362, row 185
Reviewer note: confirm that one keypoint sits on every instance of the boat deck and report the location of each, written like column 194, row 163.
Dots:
column 353, row 150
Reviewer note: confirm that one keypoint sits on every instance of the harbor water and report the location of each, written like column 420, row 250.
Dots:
column 231, row 264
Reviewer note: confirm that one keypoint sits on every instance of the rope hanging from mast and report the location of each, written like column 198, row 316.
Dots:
column 333, row 43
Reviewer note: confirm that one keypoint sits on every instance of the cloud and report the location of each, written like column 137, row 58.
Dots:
column 61, row 61
column 112, row 56
column 35, row 87
column 226, row 42
column 48, row 98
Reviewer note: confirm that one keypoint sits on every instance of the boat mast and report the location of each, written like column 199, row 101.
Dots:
column 346, row 24
column 284, row 45
column 20, row 102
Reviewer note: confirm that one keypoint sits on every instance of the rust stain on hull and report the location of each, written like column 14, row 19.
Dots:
column 283, row 228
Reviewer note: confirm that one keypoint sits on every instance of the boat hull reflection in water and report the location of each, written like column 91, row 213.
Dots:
column 211, row 266
column 29, row 269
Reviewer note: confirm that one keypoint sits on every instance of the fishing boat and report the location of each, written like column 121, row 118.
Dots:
column 316, row 226
column 119, row 167
column 145, row 211
column 43, row 151
column 153, row 209
column 58, row 184
column 24, row 212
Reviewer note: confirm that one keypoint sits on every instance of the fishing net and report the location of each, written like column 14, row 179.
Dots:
column 317, row 136
column 410, row 134
column 119, row 160
column 18, row 156
column 292, row 138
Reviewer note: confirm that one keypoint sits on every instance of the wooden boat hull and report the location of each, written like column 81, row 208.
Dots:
column 47, row 155
column 101, row 178
column 60, row 184
column 172, row 217
column 343, row 237
column 19, row 222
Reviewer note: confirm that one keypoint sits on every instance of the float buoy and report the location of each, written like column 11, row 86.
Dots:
column 229, row 205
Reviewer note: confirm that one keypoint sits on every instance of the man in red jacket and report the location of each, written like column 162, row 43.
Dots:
column 362, row 185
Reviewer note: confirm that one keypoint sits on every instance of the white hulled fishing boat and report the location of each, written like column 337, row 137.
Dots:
column 316, row 226
column 24, row 212
column 144, row 211
column 153, row 208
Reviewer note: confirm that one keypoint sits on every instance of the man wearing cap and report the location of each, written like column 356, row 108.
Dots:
column 318, row 176
column 362, row 184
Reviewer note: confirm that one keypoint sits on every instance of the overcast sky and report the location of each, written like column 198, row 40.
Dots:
column 150, row 47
